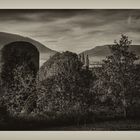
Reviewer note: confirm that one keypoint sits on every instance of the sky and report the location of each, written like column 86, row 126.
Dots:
column 72, row 30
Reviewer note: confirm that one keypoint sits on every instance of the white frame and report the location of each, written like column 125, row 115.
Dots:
column 69, row 4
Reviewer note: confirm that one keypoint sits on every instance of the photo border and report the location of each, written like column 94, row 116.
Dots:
column 69, row 4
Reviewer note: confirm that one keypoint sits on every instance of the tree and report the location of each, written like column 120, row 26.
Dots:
column 87, row 61
column 83, row 58
column 20, row 91
column 67, row 88
column 15, row 54
column 117, row 79
column 79, row 57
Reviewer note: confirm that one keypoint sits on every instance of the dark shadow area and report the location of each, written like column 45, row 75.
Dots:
column 18, row 54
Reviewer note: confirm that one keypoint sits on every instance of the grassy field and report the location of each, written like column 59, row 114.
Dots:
column 120, row 125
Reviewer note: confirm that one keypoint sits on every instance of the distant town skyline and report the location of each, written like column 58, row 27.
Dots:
column 72, row 30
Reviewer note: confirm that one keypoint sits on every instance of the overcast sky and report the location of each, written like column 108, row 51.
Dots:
column 73, row 30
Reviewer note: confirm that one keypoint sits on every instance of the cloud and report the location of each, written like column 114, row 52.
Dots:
column 74, row 30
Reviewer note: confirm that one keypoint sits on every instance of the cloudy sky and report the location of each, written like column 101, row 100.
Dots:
column 73, row 30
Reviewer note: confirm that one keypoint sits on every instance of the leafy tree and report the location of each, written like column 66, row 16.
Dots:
column 118, row 78
column 65, row 63
column 83, row 58
column 21, row 89
column 87, row 61
column 66, row 89
column 15, row 54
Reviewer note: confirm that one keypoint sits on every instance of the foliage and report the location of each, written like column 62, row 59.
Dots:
column 15, row 54
column 20, row 90
column 117, row 82
column 68, row 89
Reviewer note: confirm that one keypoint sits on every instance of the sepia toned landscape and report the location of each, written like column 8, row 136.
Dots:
column 70, row 69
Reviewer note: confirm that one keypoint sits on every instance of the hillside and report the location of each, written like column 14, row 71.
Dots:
column 100, row 52
column 45, row 52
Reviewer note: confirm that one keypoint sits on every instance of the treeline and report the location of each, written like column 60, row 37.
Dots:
column 65, row 91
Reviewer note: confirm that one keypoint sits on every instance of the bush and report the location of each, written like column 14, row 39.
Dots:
column 67, row 91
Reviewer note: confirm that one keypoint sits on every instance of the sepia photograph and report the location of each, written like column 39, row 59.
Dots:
column 69, row 69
